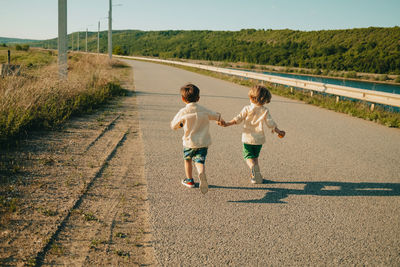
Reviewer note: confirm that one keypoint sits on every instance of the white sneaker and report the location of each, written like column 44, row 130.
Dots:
column 256, row 177
column 203, row 183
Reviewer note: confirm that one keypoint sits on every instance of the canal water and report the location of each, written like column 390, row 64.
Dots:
column 388, row 88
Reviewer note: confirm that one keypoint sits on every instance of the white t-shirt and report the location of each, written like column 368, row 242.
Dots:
column 195, row 122
column 254, row 117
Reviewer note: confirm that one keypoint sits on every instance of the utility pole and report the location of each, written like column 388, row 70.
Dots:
column 98, row 38
column 78, row 41
column 72, row 42
column 86, row 41
column 62, row 39
column 110, row 30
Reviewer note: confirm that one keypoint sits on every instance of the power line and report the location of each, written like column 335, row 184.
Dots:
column 110, row 30
column 62, row 39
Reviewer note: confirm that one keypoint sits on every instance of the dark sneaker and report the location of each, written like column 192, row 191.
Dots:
column 203, row 183
column 256, row 177
column 188, row 182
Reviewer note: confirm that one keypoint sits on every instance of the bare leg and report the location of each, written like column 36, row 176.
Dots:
column 255, row 170
column 202, row 177
column 200, row 168
column 188, row 168
column 252, row 162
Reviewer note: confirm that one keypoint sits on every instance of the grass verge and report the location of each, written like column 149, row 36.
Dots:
column 38, row 99
column 31, row 59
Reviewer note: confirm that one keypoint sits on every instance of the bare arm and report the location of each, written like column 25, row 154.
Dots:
column 177, row 122
column 226, row 123
column 236, row 120
column 280, row 133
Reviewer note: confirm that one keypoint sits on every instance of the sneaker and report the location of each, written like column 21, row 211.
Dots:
column 188, row 182
column 203, row 183
column 256, row 177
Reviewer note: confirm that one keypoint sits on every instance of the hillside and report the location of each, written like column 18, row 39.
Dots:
column 373, row 50
column 6, row 40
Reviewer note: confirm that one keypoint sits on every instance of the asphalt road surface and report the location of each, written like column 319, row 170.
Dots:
column 333, row 196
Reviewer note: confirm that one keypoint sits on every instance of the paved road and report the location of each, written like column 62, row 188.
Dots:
column 334, row 200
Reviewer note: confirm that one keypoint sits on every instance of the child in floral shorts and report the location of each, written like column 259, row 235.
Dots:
column 194, row 119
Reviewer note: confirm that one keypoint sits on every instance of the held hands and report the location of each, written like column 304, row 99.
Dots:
column 221, row 122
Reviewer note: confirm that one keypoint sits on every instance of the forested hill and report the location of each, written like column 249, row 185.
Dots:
column 375, row 50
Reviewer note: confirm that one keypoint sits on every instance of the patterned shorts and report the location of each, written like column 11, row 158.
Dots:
column 196, row 154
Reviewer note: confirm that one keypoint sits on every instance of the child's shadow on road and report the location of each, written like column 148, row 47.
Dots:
column 277, row 194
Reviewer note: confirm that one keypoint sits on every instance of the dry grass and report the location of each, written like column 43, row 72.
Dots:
column 32, row 59
column 39, row 99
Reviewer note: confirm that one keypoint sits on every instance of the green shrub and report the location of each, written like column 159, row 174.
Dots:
column 317, row 72
column 118, row 50
column 383, row 77
column 249, row 66
column 326, row 72
column 24, row 47
column 350, row 74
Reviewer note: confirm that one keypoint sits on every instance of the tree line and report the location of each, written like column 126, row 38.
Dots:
column 372, row 50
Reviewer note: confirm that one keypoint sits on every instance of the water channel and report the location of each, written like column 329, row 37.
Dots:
column 388, row 88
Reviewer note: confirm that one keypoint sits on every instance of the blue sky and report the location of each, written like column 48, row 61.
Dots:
column 37, row 19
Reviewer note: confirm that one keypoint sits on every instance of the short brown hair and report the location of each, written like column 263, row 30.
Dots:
column 259, row 94
column 190, row 92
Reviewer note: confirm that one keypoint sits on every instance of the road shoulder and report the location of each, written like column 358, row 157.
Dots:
column 79, row 195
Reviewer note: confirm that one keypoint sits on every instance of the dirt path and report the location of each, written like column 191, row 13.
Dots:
column 79, row 195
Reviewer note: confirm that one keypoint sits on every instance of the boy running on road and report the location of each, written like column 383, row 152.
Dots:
column 194, row 119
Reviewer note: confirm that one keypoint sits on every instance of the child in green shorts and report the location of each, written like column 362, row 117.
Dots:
column 255, row 116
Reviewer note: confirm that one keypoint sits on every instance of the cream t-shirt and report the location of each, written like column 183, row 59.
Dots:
column 195, row 122
column 255, row 118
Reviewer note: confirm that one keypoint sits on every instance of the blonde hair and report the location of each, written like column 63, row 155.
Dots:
column 259, row 94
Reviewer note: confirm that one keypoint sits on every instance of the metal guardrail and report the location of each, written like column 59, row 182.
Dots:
column 338, row 90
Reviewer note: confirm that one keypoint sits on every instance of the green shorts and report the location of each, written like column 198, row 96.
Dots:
column 251, row 151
